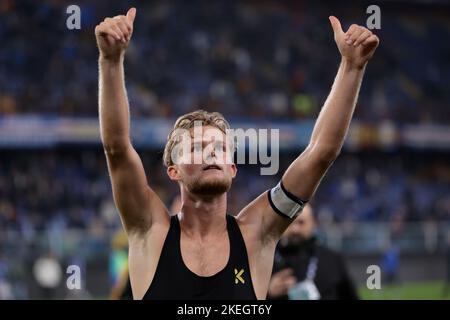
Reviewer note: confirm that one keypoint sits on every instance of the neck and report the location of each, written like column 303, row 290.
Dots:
column 203, row 216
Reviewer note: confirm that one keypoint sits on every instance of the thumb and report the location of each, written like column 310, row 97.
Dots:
column 336, row 25
column 131, row 14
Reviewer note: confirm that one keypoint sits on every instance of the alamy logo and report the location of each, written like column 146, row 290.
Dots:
column 374, row 20
column 74, row 20
column 374, row 280
column 202, row 145
column 74, row 280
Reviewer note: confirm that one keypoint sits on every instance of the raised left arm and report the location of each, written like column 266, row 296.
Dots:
column 356, row 46
column 303, row 176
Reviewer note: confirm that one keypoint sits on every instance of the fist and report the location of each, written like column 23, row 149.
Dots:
column 281, row 282
column 113, row 35
column 357, row 45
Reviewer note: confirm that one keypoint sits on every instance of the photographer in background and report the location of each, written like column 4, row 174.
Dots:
column 304, row 269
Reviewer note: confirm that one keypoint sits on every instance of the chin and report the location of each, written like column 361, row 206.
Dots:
column 296, row 240
column 210, row 186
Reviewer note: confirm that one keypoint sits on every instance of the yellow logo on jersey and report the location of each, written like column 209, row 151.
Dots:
column 238, row 276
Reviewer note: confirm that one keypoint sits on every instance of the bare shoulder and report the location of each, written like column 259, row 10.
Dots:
column 158, row 229
column 251, row 215
column 261, row 222
column 252, row 221
column 249, row 218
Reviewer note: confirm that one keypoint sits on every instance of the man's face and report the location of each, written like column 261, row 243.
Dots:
column 302, row 228
column 204, row 166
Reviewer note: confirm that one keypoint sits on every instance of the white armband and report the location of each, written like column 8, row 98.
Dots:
column 285, row 203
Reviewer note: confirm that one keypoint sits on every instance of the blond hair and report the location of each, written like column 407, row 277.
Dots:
column 186, row 121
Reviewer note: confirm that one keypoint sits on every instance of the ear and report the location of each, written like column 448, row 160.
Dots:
column 233, row 170
column 173, row 173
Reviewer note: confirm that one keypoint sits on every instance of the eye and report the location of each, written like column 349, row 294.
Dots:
column 220, row 147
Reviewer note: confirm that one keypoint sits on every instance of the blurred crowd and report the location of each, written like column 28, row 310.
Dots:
column 248, row 59
column 70, row 188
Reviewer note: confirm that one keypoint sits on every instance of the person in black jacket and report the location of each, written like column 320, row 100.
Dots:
column 304, row 269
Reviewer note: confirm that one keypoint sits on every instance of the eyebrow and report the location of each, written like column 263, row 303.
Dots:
column 213, row 141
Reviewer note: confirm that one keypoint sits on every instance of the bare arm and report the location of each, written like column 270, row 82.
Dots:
column 138, row 205
column 305, row 173
column 303, row 176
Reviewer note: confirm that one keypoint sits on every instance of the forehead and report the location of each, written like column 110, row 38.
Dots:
column 207, row 133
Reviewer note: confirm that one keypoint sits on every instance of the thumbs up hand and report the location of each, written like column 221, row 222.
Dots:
column 357, row 45
column 113, row 35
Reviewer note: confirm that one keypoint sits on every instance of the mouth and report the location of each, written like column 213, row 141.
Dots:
column 212, row 167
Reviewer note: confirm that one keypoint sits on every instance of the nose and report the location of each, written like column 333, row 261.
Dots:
column 213, row 153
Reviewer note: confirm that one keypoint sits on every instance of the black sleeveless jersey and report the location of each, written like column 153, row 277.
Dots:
column 173, row 280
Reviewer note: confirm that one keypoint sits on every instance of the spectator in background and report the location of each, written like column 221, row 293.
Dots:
column 306, row 270
column 122, row 288
column 119, row 256
column 235, row 57
column 390, row 264
column 118, row 268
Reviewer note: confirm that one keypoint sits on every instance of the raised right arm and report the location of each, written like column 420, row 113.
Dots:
column 138, row 205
